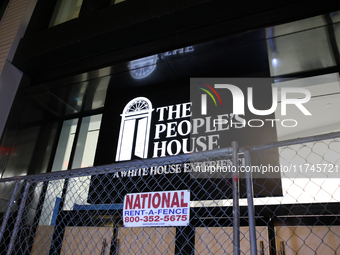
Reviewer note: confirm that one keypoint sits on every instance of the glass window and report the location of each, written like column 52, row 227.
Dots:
column 296, row 26
column 85, row 145
column 65, row 10
column 323, row 107
column 66, row 139
column 116, row 1
column 85, row 148
column 336, row 27
column 3, row 6
column 26, row 144
column 299, row 52
column 87, row 142
column 335, row 16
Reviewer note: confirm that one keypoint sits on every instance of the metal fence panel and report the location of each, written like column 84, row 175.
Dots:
column 80, row 211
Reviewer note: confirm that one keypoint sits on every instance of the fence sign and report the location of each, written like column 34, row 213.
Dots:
column 163, row 208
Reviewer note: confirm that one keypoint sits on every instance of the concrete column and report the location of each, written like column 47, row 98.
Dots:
column 12, row 28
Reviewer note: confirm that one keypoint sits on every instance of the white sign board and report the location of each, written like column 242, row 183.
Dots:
column 163, row 208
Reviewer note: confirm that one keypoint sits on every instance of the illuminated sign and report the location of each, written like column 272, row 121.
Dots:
column 172, row 126
column 136, row 118
column 166, row 120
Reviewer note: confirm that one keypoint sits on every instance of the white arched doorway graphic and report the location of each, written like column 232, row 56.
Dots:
column 134, row 129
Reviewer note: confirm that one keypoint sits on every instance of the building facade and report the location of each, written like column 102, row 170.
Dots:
column 92, row 83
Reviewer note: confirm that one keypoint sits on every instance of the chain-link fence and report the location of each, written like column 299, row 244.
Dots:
column 279, row 198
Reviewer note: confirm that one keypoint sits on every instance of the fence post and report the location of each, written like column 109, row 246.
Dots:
column 236, row 206
column 18, row 219
column 250, row 200
column 60, row 226
column 11, row 202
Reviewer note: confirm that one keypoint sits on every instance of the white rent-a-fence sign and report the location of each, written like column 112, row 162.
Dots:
column 163, row 208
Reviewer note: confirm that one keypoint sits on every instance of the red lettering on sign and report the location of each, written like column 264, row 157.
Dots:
column 143, row 196
column 158, row 196
column 165, row 199
column 137, row 203
column 149, row 202
column 182, row 200
column 129, row 200
column 175, row 200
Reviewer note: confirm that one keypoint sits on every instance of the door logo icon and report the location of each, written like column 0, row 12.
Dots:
column 134, row 130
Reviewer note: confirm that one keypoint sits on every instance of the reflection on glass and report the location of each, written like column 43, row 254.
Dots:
column 143, row 67
column 63, row 153
column 179, row 51
column 30, row 151
column 21, row 154
column 51, row 203
column 65, row 10
column 96, row 93
column 296, row 26
column 82, row 96
column 298, row 52
column 77, row 192
column 85, row 147
column 116, row 1
column 336, row 28
column 99, row 96
column 324, row 106
column 87, row 142
column 335, row 16
column 78, row 188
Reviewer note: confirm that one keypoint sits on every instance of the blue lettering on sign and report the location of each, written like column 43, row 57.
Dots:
column 174, row 211
column 167, row 211
column 135, row 213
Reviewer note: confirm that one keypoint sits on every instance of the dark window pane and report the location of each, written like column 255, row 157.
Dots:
column 65, row 10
